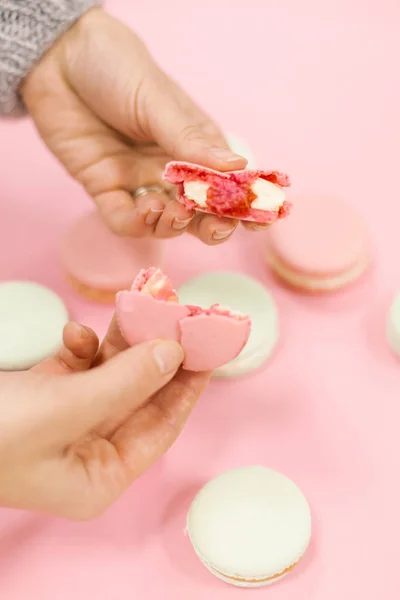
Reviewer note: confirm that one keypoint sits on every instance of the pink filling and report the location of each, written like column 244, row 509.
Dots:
column 159, row 286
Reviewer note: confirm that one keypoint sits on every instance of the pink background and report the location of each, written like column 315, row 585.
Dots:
column 314, row 88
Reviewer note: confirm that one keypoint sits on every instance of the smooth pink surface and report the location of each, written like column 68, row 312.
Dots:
column 313, row 87
column 208, row 340
column 324, row 236
column 98, row 258
column 211, row 341
column 142, row 318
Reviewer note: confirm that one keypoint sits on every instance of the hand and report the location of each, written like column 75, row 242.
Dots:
column 114, row 119
column 77, row 429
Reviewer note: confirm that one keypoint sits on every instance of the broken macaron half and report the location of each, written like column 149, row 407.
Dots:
column 249, row 195
column 210, row 337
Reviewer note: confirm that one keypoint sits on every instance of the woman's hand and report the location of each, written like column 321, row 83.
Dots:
column 114, row 119
column 77, row 429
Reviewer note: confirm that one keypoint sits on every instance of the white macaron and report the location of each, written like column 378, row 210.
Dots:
column 247, row 296
column 240, row 147
column 393, row 325
column 249, row 526
column 32, row 319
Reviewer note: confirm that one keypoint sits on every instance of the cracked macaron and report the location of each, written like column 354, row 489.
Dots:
column 210, row 337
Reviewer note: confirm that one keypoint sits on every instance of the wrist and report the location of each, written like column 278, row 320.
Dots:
column 28, row 30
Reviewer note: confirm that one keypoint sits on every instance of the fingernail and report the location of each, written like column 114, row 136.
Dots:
column 79, row 330
column 180, row 223
column 168, row 356
column 85, row 333
column 259, row 227
column 226, row 155
column 153, row 216
column 221, row 235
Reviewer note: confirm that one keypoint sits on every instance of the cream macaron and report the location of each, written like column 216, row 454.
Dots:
column 393, row 325
column 32, row 319
column 249, row 526
column 323, row 247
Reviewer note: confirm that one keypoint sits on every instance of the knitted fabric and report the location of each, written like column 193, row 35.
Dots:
column 28, row 28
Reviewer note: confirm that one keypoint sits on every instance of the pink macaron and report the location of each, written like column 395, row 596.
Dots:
column 209, row 337
column 248, row 195
column 98, row 263
column 323, row 247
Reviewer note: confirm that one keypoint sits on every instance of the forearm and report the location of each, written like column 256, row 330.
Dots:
column 28, row 28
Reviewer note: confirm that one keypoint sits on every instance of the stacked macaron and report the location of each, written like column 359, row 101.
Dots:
column 98, row 263
column 323, row 247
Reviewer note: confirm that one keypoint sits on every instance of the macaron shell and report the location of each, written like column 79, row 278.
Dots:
column 322, row 236
column 247, row 583
column 142, row 318
column 210, row 341
column 262, row 217
column 100, row 259
column 312, row 283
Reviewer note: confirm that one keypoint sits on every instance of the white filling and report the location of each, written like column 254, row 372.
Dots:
column 155, row 283
column 269, row 195
column 232, row 313
column 197, row 192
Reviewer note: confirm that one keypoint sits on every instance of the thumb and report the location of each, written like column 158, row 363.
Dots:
column 117, row 387
column 183, row 130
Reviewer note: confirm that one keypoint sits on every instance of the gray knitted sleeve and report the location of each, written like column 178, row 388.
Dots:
column 27, row 29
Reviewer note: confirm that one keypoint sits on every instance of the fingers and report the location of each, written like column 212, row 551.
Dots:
column 151, row 431
column 255, row 226
column 174, row 220
column 131, row 217
column 77, row 353
column 118, row 386
column 112, row 344
column 112, row 181
column 212, row 230
column 183, row 130
column 97, row 471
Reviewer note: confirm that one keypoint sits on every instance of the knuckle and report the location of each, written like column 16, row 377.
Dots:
column 191, row 133
column 104, row 174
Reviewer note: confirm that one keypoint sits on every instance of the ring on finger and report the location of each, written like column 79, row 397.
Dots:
column 143, row 190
